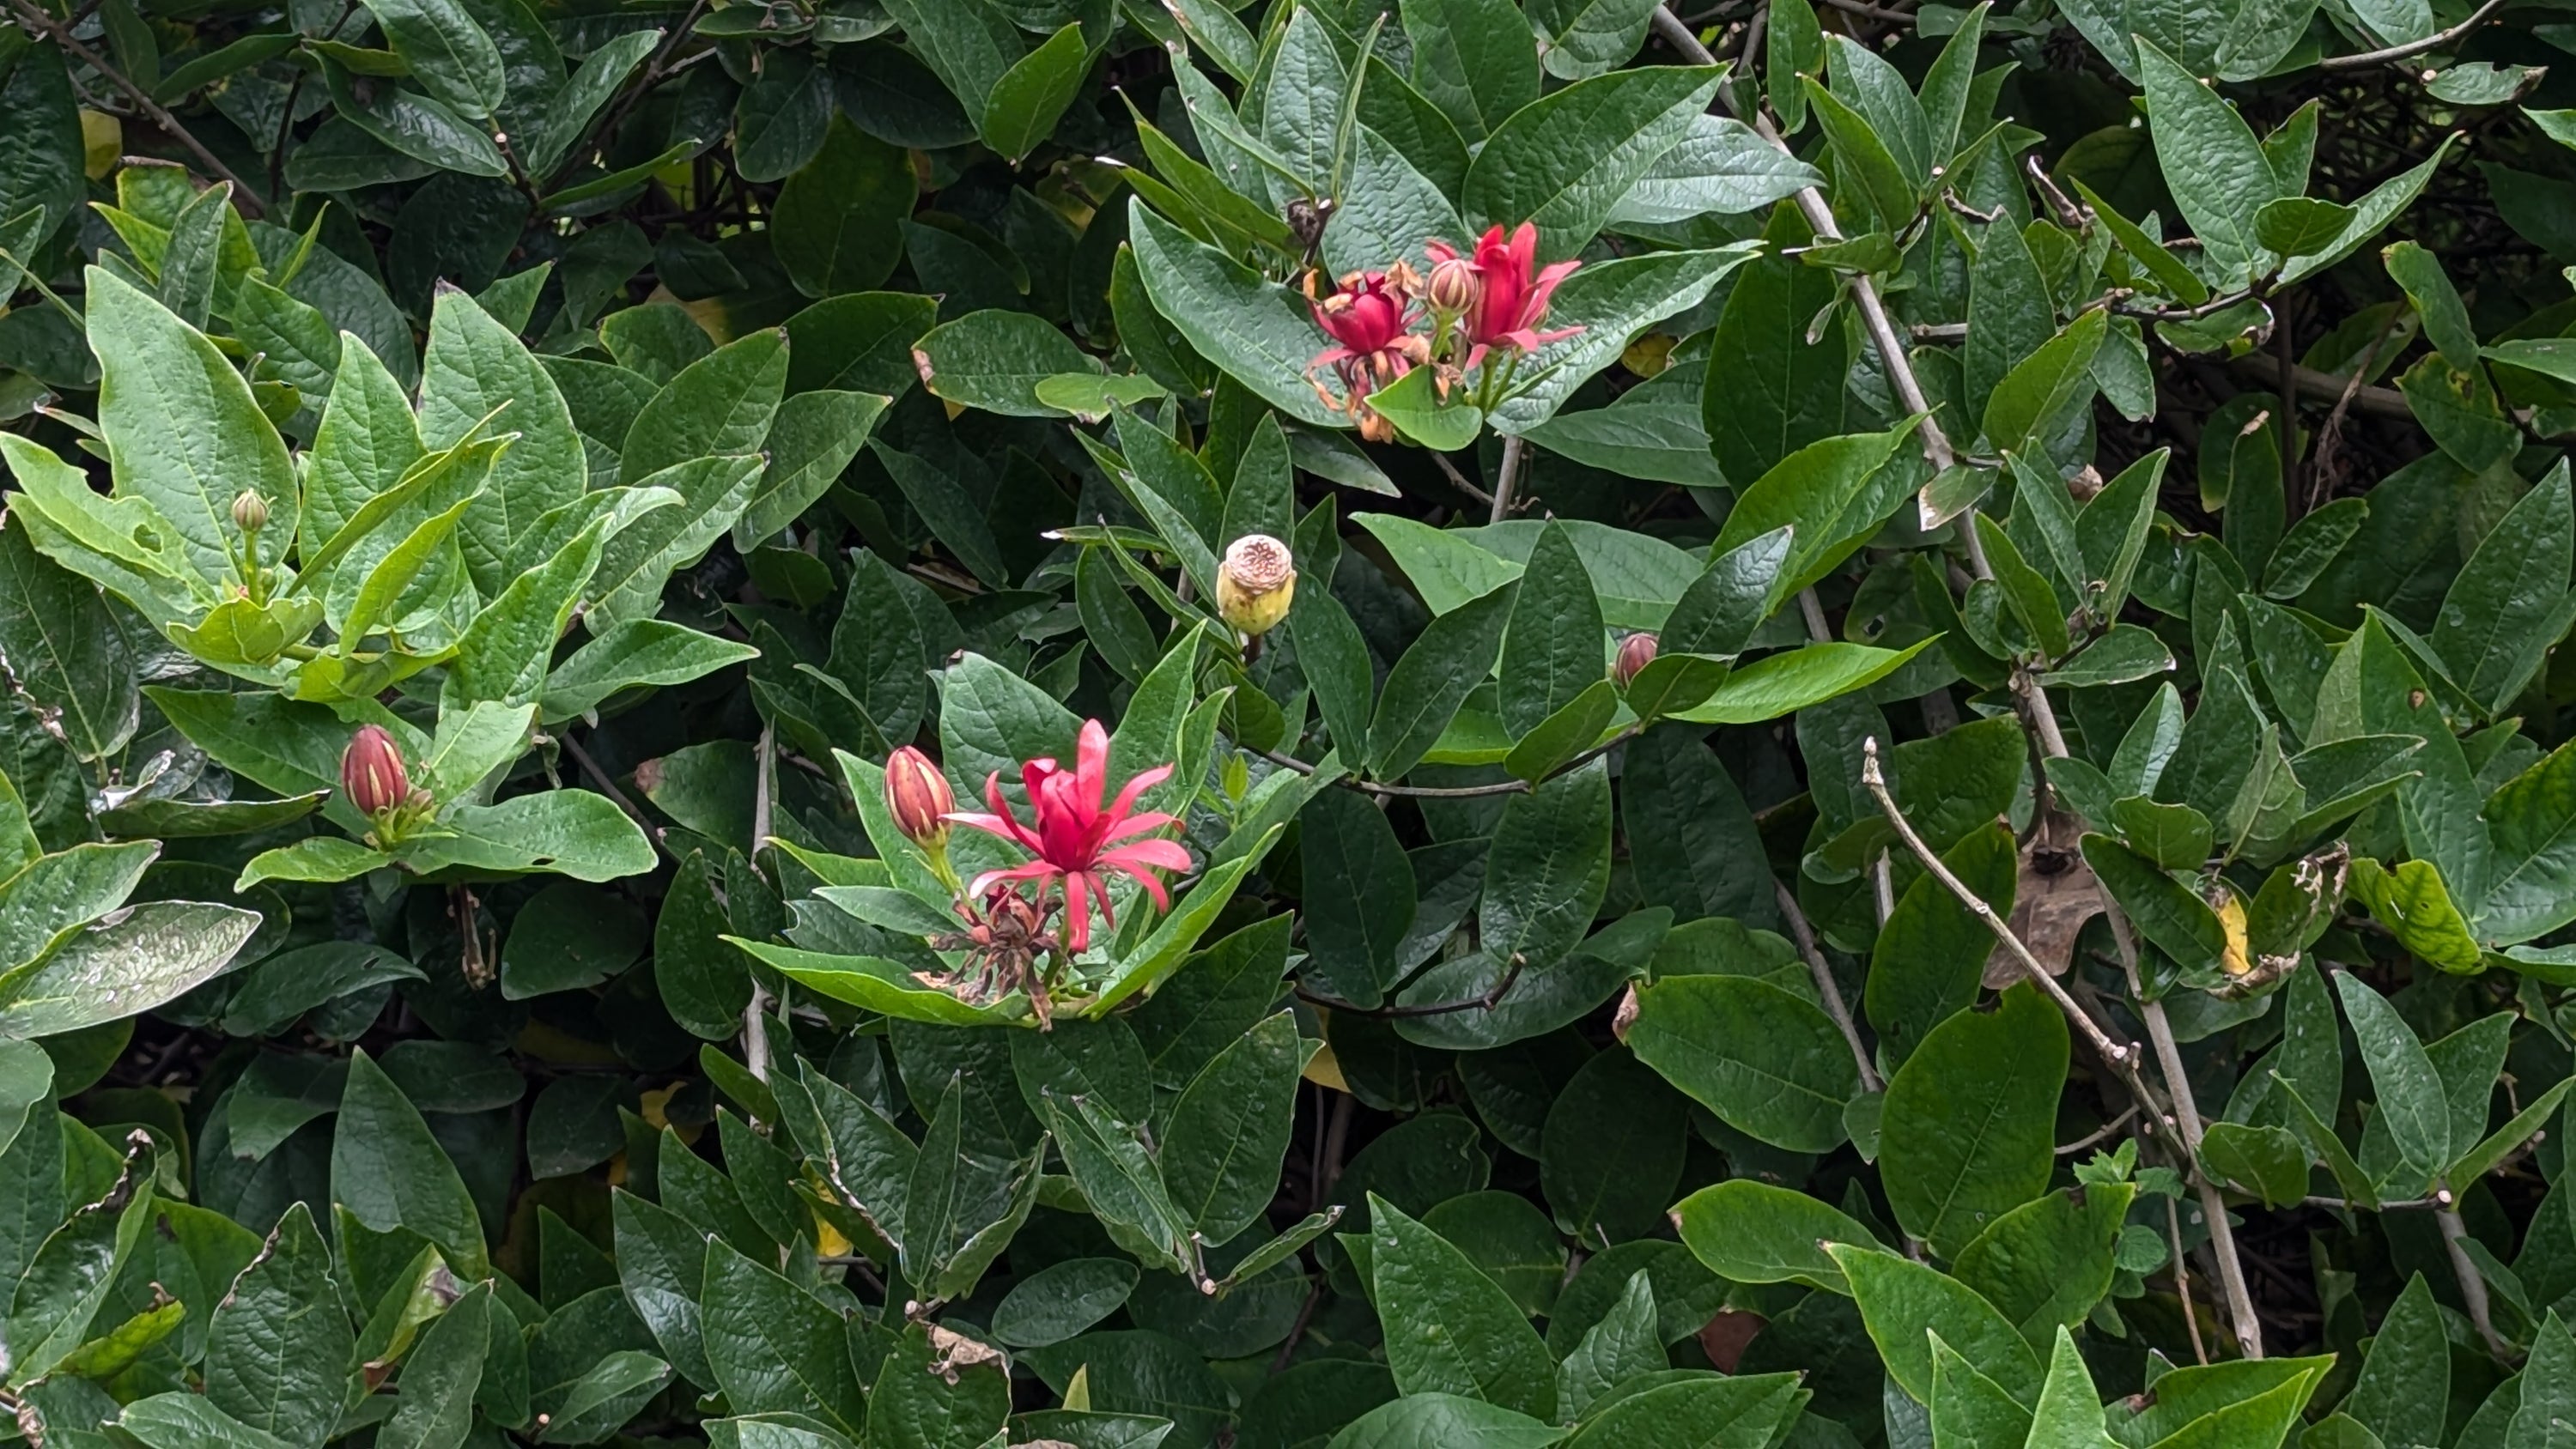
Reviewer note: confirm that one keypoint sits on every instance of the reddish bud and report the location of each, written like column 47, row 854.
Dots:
column 1635, row 653
column 372, row 777
column 917, row 796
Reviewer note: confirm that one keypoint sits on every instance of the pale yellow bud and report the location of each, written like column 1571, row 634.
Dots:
column 1256, row 584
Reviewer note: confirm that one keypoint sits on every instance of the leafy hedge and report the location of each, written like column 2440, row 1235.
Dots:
column 948, row 724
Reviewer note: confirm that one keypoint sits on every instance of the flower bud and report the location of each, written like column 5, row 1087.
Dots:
column 1255, row 585
column 917, row 796
column 372, row 777
column 1455, row 285
column 1635, row 653
column 250, row 511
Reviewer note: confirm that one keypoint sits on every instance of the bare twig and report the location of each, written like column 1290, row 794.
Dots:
column 1486, row 1001
column 2473, row 1286
column 2101, row 1134
column 243, row 196
column 1805, row 936
column 1514, row 451
column 2186, row 1113
column 1458, row 792
column 2122, row 1058
column 2435, row 41
column 1459, row 481
column 599, row 778
column 2330, row 433
column 1820, row 216
column 2182, row 1280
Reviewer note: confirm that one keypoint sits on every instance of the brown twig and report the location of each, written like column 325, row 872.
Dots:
column 2473, row 1285
column 1826, row 987
column 243, row 196
column 2122, row 1058
column 599, row 778
column 1486, row 1001
column 2182, row 1281
column 2435, row 41
column 1514, row 452
column 1820, row 216
column 2100, row 1134
column 1459, row 792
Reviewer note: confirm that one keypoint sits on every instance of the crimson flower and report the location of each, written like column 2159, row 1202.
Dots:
column 1370, row 319
column 1513, row 301
column 1076, row 839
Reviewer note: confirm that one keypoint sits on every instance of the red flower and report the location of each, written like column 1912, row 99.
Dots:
column 1370, row 320
column 1077, row 840
column 918, row 798
column 1516, row 289
column 372, row 778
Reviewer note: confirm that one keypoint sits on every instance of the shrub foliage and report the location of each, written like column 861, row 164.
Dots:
column 947, row 724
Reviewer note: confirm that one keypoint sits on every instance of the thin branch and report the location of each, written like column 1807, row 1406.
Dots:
column 2101, row 1134
column 1820, row 216
column 1514, row 451
column 599, row 778
column 2436, row 41
column 243, row 196
column 1487, row 1001
column 2182, row 1281
column 2122, row 1058
column 2473, row 1285
column 1459, row 792
column 2186, row 1116
column 1459, row 480
column 1826, row 987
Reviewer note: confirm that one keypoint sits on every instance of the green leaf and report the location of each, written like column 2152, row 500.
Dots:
column 1612, row 1150
column 1564, row 160
column 2410, row 1094
column 2406, row 1377
column 1255, row 329
column 1856, row 143
column 2220, row 177
column 2298, row 225
column 440, row 1375
column 922, row 1400
column 1360, row 896
column 187, row 433
column 721, row 404
column 1548, row 869
column 1929, row 959
column 445, row 50
column 2268, row 1161
column 65, row 650
column 1834, row 493
column 1452, row 1421
column 774, row 1347
column 641, row 557
column 1409, row 404
column 1967, row 1132
column 2031, row 401
column 178, row 1419
column 994, row 360
column 143, row 957
column 69, row 1275
column 1029, row 98
column 388, row 1172
column 1450, row 1329
column 1473, row 59
column 1061, row 1300
column 474, row 366
column 2508, row 605
column 837, row 226
column 1553, row 648
column 1784, row 683
column 1770, row 1064
column 2046, row 1264
column 1625, row 1344
column 2166, row 912
column 1425, row 689
column 1907, row 1305
column 2411, row 900
column 1754, row 1232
